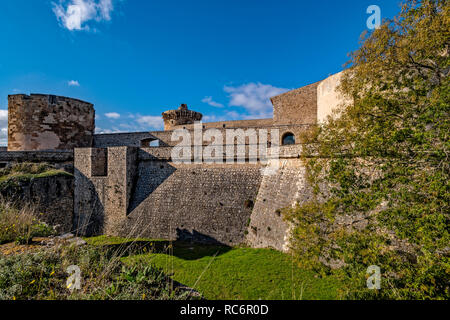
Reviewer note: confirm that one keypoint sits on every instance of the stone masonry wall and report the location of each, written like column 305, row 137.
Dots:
column 329, row 98
column 89, row 194
column 165, row 137
column 47, row 122
column 206, row 203
column 102, row 200
column 231, row 124
column 151, row 197
column 297, row 106
column 283, row 189
column 145, row 194
column 130, row 139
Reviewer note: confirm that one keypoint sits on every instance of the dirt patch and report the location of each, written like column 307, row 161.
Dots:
column 39, row 243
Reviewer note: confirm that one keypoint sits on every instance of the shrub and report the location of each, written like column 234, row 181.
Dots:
column 384, row 161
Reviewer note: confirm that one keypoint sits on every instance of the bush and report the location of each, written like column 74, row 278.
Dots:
column 380, row 166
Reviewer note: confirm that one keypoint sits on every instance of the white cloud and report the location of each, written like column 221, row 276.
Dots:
column 3, row 127
column 211, row 102
column 74, row 14
column 3, row 115
column 105, row 8
column 213, row 118
column 73, row 83
column 152, row 122
column 234, row 115
column 112, row 115
column 114, row 122
column 101, row 130
column 254, row 98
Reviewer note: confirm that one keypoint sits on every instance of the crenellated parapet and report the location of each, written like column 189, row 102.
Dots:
column 180, row 116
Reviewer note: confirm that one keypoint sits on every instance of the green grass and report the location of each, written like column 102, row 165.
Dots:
column 111, row 240
column 231, row 273
column 26, row 171
column 28, row 176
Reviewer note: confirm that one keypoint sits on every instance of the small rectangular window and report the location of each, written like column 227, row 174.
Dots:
column 99, row 162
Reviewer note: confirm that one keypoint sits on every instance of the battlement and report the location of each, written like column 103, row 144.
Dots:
column 180, row 116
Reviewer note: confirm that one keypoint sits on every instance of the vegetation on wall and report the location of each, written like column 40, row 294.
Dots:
column 384, row 159
column 26, row 171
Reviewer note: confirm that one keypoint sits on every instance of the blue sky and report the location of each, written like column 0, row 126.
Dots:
column 134, row 59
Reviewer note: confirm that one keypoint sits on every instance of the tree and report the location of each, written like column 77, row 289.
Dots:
column 383, row 161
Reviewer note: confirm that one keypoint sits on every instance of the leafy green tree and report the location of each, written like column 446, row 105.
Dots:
column 380, row 165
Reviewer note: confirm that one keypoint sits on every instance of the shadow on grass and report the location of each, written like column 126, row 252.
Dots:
column 180, row 249
column 188, row 246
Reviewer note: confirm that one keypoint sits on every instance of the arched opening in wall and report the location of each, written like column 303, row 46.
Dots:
column 288, row 138
column 149, row 143
column 154, row 143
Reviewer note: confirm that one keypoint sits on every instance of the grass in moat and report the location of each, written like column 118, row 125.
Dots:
column 220, row 272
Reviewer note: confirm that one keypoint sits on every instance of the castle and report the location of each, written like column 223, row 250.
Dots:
column 125, row 186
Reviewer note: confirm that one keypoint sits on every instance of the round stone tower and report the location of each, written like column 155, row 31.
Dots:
column 47, row 122
column 181, row 116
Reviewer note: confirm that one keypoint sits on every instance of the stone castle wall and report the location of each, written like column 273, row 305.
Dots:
column 164, row 138
column 124, row 187
column 129, row 139
column 252, row 123
column 46, row 122
column 283, row 189
column 329, row 99
column 143, row 193
column 149, row 196
column 210, row 203
column 103, row 186
column 297, row 106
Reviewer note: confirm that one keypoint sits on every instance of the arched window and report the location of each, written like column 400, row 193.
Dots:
column 288, row 138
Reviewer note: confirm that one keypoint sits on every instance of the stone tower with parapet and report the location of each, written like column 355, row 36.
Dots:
column 49, row 122
column 180, row 116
